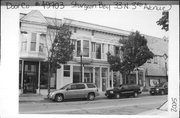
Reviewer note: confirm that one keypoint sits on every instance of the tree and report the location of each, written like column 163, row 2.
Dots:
column 135, row 54
column 59, row 47
column 164, row 21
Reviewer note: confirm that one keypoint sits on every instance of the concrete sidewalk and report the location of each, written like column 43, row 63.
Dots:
column 40, row 98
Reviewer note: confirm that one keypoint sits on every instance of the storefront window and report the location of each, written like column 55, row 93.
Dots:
column 30, row 77
column 44, row 75
column 104, row 78
column 88, row 74
column 97, row 77
column 77, row 74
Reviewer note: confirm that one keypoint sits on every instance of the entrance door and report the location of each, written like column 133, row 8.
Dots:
column 77, row 74
column 104, row 78
column 30, row 80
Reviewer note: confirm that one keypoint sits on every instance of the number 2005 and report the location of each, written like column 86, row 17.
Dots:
column 174, row 105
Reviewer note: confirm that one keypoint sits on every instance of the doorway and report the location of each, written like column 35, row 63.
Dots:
column 30, row 80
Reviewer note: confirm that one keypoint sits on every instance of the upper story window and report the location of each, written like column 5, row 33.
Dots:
column 103, row 48
column 41, row 42
column 116, row 50
column 74, row 44
column 98, row 51
column 33, row 41
column 66, row 70
column 78, row 48
column 24, row 41
column 86, row 48
column 93, row 48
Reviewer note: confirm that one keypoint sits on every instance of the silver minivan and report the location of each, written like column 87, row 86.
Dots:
column 75, row 90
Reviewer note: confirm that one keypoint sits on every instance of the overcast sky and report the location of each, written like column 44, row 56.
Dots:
column 143, row 21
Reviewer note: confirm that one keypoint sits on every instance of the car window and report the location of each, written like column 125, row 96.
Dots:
column 73, row 87
column 64, row 87
column 80, row 86
column 165, row 86
column 91, row 86
column 125, row 87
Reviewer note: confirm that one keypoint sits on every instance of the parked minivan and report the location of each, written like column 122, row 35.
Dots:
column 75, row 90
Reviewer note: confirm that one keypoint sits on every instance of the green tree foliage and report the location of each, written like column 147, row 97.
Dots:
column 164, row 21
column 61, row 49
column 135, row 53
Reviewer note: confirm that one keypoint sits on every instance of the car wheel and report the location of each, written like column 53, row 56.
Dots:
column 117, row 95
column 91, row 96
column 59, row 98
column 135, row 94
column 162, row 92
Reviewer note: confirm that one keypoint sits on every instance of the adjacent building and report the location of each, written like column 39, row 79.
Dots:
column 92, row 42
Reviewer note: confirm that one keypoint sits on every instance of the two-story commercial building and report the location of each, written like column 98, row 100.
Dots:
column 91, row 41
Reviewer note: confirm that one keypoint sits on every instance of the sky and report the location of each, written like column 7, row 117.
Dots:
column 143, row 21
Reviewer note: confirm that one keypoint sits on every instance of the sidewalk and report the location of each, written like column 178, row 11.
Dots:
column 39, row 98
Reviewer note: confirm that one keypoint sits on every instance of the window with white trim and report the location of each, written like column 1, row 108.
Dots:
column 33, row 41
column 24, row 41
column 66, row 70
column 41, row 42
column 78, row 48
column 85, row 48
column 98, row 51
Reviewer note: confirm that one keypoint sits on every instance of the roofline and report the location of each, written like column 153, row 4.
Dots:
column 97, row 25
column 46, row 17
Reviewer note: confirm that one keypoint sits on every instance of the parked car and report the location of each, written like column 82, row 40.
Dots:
column 161, row 89
column 161, row 110
column 123, row 90
column 75, row 90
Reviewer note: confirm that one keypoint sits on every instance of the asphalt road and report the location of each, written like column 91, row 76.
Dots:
column 123, row 106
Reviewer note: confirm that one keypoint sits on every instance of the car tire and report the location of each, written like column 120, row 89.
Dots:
column 91, row 96
column 162, row 92
column 117, row 95
column 59, row 98
column 135, row 94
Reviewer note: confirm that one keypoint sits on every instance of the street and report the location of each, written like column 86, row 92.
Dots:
column 123, row 106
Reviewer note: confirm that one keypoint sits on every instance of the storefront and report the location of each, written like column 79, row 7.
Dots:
column 90, row 74
column 28, row 76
